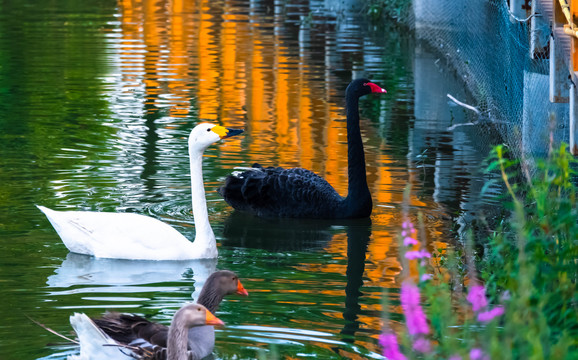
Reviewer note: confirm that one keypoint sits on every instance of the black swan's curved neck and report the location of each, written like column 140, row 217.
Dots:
column 358, row 200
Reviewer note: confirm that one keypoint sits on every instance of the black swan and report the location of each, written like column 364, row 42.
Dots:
column 96, row 345
column 299, row 193
column 136, row 330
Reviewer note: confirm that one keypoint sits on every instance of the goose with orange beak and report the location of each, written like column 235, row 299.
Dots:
column 136, row 330
column 96, row 345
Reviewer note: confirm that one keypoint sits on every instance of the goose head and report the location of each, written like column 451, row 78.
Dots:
column 360, row 87
column 196, row 315
column 219, row 285
column 206, row 134
column 229, row 283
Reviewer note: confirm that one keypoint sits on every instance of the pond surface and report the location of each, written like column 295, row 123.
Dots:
column 96, row 102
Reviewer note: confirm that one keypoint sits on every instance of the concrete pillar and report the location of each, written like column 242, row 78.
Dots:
column 520, row 8
column 573, row 128
column 539, row 33
column 558, row 67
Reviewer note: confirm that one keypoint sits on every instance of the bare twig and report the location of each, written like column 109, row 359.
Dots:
column 470, row 107
column 50, row 330
column 458, row 125
column 520, row 19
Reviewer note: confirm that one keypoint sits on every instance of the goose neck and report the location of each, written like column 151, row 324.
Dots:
column 210, row 297
column 177, row 340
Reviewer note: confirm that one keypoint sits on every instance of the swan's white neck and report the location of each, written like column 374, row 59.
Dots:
column 204, row 236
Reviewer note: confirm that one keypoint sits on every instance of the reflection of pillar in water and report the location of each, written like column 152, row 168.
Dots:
column 450, row 155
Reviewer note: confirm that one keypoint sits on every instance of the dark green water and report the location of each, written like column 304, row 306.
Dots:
column 96, row 101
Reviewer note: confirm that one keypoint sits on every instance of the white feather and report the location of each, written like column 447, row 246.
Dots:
column 92, row 342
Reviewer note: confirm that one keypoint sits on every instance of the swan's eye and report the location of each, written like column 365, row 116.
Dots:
column 365, row 84
column 209, row 129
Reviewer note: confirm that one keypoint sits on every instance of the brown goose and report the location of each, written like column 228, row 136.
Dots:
column 136, row 330
column 96, row 345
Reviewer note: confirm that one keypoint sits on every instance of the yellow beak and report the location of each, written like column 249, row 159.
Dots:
column 224, row 132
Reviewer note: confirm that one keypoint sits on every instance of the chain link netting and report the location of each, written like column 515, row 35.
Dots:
column 491, row 51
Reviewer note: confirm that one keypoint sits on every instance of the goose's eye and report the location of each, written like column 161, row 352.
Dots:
column 209, row 129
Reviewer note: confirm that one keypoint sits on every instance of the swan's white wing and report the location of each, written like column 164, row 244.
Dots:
column 92, row 341
column 118, row 235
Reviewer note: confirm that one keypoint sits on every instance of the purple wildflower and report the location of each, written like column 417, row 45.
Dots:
column 425, row 277
column 408, row 234
column 478, row 354
column 477, row 297
column 422, row 345
column 455, row 357
column 417, row 254
column 408, row 241
column 390, row 347
column 488, row 316
column 414, row 315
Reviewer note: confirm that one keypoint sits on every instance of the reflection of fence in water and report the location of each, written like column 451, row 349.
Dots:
column 517, row 72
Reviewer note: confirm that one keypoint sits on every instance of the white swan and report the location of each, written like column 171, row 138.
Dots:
column 139, row 237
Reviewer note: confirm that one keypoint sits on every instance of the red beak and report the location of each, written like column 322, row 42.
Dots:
column 376, row 88
column 240, row 289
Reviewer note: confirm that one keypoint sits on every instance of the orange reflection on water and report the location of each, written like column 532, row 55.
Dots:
column 206, row 60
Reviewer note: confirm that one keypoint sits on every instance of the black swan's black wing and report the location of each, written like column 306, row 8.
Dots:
column 279, row 192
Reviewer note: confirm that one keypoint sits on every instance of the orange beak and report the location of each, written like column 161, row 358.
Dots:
column 240, row 289
column 212, row 319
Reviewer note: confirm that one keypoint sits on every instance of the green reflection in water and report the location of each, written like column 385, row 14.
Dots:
column 73, row 137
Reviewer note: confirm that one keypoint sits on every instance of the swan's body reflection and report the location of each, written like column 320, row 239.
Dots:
column 244, row 230
column 79, row 269
column 248, row 231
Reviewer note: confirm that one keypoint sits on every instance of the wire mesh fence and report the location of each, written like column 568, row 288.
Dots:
column 504, row 62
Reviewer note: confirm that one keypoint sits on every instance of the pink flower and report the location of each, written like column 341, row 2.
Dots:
column 407, row 225
column 422, row 345
column 478, row 354
column 477, row 297
column 455, row 357
column 425, row 277
column 417, row 254
column 390, row 347
column 414, row 315
column 407, row 241
column 488, row 316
